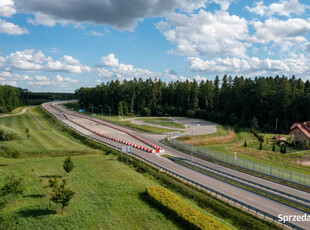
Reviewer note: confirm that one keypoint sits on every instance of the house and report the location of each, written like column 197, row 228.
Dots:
column 301, row 131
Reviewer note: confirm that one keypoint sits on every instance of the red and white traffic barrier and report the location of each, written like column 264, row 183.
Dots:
column 158, row 149
column 113, row 138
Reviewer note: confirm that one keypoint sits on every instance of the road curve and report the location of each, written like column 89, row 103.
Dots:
column 269, row 206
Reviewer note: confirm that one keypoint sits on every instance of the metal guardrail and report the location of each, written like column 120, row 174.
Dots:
column 228, row 176
column 217, row 194
column 271, row 191
column 268, row 170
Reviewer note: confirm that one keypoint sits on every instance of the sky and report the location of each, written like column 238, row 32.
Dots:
column 59, row 46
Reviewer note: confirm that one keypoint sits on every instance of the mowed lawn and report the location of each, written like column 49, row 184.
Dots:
column 108, row 196
column 44, row 136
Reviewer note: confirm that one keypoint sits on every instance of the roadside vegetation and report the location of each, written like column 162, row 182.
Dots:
column 161, row 121
column 229, row 139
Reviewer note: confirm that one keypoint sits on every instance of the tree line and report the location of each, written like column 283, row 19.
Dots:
column 275, row 102
column 12, row 97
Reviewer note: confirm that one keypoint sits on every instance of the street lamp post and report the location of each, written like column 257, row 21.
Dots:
column 101, row 110
column 109, row 109
column 193, row 141
column 92, row 109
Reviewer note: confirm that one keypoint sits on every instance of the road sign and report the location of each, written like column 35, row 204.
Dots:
column 129, row 149
column 124, row 149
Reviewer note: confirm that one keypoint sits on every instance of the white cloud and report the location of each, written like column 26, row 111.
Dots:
column 284, row 8
column 251, row 66
column 58, row 81
column 170, row 74
column 224, row 3
column 27, row 60
column 7, row 8
column 45, row 20
column 2, row 61
column 95, row 33
column 102, row 72
column 67, row 64
column 8, row 78
column 284, row 33
column 121, row 70
column 182, row 78
column 109, row 61
column 207, row 34
column 199, row 78
column 10, row 28
column 36, row 61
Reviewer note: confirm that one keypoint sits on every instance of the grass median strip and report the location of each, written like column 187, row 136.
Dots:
column 242, row 185
column 172, row 204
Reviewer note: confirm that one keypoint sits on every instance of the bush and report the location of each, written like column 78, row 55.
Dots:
column 7, row 134
column 245, row 144
column 273, row 147
column 260, row 146
column 171, row 203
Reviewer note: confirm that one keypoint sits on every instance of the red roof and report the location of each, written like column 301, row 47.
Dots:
column 303, row 127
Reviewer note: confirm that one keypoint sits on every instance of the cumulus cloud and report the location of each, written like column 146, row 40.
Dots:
column 37, row 61
column 284, row 8
column 282, row 32
column 250, row 66
column 199, row 78
column 58, row 81
column 121, row 14
column 45, row 20
column 121, row 70
column 9, row 78
column 10, row 28
column 7, row 8
column 67, row 64
column 207, row 34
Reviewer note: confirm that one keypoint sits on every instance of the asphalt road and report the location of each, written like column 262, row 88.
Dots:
column 272, row 207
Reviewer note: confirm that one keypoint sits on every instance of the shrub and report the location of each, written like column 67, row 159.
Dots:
column 245, row 144
column 7, row 134
column 260, row 146
column 273, row 147
column 172, row 204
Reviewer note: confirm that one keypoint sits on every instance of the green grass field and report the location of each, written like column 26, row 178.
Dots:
column 109, row 195
column 41, row 140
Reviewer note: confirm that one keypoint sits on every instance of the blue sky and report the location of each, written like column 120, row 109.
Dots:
column 63, row 45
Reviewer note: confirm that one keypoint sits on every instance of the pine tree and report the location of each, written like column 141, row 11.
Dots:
column 68, row 165
column 245, row 144
column 62, row 195
column 260, row 145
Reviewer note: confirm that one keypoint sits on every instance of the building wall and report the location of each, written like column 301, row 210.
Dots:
column 299, row 135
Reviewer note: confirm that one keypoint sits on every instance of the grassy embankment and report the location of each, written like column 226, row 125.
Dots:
column 229, row 142
column 109, row 195
column 45, row 141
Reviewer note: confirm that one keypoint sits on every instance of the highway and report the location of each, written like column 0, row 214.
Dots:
column 269, row 206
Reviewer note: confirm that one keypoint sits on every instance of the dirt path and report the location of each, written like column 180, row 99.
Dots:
column 15, row 114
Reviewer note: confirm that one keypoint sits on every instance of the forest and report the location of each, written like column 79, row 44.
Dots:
column 236, row 101
column 12, row 97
